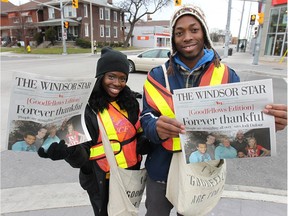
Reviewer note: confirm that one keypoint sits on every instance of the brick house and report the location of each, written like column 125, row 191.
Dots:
column 26, row 20
column 18, row 22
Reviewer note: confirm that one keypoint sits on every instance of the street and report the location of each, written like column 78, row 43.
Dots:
column 261, row 172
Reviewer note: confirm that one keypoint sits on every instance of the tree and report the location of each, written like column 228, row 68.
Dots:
column 24, row 29
column 50, row 35
column 137, row 9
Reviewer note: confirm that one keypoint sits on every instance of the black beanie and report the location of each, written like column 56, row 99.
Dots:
column 112, row 60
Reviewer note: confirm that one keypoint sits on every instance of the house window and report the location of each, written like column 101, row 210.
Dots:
column 101, row 14
column 115, row 16
column 101, row 31
column 107, row 14
column 85, row 10
column 29, row 19
column 51, row 13
column 86, row 30
column 107, row 31
column 16, row 20
column 115, row 32
column 69, row 11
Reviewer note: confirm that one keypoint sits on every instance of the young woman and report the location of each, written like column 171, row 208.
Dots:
column 255, row 150
column 117, row 107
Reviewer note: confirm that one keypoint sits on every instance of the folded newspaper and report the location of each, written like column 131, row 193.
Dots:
column 226, row 121
column 47, row 109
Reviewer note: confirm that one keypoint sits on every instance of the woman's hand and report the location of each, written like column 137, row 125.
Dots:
column 279, row 111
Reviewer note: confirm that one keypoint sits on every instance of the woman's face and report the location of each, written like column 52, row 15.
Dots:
column 251, row 142
column 114, row 82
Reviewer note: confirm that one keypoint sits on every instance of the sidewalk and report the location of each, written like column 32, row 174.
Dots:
column 243, row 62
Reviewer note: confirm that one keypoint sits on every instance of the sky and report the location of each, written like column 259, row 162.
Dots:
column 216, row 13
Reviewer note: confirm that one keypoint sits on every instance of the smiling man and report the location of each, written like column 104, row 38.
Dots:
column 192, row 62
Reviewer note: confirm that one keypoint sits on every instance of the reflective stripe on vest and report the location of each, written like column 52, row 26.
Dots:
column 122, row 146
column 162, row 99
column 215, row 76
column 162, row 102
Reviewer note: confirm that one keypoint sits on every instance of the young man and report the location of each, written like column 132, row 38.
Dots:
column 192, row 63
column 27, row 144
column 201, row 154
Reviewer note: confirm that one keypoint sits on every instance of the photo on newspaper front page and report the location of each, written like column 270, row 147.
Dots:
column 226, row 121
column 47, row 109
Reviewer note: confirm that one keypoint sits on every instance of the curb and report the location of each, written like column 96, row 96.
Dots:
column 39, row 197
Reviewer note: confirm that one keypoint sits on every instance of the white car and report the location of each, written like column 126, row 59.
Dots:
column 148, row 59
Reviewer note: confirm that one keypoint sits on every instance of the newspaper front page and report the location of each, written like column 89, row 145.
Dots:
column 47, row 109
column 226, row 121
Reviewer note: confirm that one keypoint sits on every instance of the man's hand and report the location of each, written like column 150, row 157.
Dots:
column 168, row 128
column 279, row 111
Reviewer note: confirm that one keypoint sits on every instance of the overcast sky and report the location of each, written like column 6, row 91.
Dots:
column 216, row 13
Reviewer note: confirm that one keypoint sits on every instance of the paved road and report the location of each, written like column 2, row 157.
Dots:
column 33, row 186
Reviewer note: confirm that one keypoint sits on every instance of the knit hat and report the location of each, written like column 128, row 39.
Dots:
column 199, row 15
column 112, row 60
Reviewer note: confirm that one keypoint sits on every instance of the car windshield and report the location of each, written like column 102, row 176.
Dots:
column 150, row 54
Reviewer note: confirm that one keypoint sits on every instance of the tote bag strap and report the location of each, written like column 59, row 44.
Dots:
column 107, row 147
column 166, row 77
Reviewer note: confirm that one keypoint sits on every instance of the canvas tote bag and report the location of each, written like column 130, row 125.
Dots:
column 126, row 187
column 194, row 189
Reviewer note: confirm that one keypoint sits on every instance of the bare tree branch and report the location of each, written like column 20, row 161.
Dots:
column 137, row 9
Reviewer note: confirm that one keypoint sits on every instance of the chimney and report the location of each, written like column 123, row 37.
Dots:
column 110, row 2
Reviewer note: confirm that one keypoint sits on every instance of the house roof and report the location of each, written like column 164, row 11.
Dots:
column 164, row 23
column 57, row 22
column 4, row 6
column 94, row 2
column 27, row 6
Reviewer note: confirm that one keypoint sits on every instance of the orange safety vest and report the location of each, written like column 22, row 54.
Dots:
column 160, row 99
column 122, row 135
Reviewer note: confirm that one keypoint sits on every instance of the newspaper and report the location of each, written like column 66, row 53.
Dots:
column 47, row 109
column 226, row 121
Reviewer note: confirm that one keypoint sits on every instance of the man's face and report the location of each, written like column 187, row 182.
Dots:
column 29, row 139
column 41, row 133
column 189, row 39
column 240, row 136
column 202, row 148
column 210, row 140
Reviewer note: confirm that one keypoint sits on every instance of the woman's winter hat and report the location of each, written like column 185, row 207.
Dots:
column 199, row 15
column 112, row 60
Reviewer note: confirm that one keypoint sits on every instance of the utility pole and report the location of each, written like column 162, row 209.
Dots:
column 239, row 32
column 91, row 28
column 227, row 35
column 62, row 29
column 258, row 39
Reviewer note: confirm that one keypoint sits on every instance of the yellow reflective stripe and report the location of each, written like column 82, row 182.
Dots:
column 99, row 150
column 217, row 75
column 96, row 151
column 109, row 126
column 176, row 144
column 160, row 102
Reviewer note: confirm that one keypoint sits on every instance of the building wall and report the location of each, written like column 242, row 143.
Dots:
column 274, row 40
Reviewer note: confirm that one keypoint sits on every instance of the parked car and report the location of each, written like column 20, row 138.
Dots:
column 148, row 59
